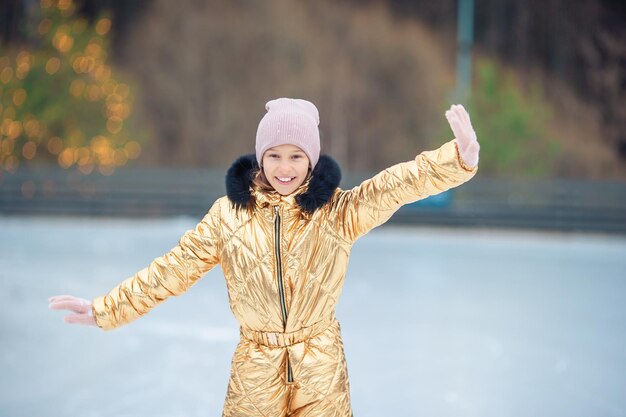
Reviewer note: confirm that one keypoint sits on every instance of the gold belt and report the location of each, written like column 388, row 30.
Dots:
column 278, row 339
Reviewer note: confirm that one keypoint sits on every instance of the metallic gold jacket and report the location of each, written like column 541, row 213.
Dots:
column 284, row 259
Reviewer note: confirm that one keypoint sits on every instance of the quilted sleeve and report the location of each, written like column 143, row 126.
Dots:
column 372, row 203
column 198, row 251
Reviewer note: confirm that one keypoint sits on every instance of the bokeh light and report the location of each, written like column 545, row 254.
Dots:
column 53, row 65
column 62, row 40
column 11, row 163
column 66, row 158
column 64, row 4
column 6, row 74
column 6, row 146
column 44, row 26
column 55, row 145
column 19, row 96
column 32, row 128
column 29, row 150
column 14, row 129
column 103, row 26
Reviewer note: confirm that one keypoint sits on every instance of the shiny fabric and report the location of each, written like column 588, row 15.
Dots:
column 311, row 250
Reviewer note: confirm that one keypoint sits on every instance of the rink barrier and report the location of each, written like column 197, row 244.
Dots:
column 141, row 192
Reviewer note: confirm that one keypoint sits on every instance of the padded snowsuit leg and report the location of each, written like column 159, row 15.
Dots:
column 259, row 383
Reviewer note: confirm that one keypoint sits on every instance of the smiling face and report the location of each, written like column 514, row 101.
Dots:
column 285, row 167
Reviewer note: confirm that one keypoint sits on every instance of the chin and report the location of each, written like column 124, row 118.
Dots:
column 285, row 192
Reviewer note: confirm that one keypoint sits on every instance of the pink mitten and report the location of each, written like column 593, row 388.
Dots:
column 80, row 306
column 464, row 133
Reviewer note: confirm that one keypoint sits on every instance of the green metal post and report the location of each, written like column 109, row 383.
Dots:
column 465, row 38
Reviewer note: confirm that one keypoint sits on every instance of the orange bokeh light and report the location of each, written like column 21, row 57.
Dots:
column 55, row 145
column 6, row 74
column 103, row 26
column 53, row 65
column 44, row 26
column 29, row 150
column 19, row 97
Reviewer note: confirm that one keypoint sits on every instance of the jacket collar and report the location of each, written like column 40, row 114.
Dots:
column 311, row 195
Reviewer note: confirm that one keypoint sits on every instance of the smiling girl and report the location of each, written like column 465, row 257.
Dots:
column 283, row 235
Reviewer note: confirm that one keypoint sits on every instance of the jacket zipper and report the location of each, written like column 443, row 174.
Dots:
column 281, row 289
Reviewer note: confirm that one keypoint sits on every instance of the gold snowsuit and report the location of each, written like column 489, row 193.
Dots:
column 284, row 271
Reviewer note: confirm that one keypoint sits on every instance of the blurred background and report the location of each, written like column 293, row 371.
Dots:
column 118, row 120
column 137, row 108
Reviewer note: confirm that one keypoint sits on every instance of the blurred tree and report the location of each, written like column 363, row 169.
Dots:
column 58, row 98
column 512, row 125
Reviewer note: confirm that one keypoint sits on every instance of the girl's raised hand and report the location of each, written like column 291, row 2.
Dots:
column 81, row 307
column 464, row 133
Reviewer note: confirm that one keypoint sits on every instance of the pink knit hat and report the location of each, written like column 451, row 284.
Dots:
column 289, row 121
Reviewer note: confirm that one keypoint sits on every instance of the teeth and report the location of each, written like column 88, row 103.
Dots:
column 287, row 179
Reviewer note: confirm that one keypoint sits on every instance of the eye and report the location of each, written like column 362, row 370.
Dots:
column 296, row 156
column 273, row 155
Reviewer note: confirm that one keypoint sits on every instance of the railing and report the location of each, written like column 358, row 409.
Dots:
column 550, row 204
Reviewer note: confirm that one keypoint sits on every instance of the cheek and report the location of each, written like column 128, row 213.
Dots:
column 302, row 167
column 302, row 174
column 267, row 168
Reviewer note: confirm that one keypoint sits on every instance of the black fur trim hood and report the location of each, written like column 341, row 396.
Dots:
column 324, row 181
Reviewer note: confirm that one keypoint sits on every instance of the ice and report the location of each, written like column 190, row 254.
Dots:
column 436, row 322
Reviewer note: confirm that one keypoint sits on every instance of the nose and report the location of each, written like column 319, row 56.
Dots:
column 284, row 167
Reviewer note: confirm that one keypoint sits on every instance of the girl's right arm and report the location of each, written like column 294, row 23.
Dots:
column 198, row 251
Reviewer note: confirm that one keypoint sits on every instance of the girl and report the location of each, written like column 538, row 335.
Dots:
column 283, row 235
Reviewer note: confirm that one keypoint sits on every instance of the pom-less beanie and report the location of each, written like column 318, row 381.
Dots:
column 289, row 121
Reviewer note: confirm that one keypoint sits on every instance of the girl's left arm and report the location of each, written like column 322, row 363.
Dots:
column 374, row 201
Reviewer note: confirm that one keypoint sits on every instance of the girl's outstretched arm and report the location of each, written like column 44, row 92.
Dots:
column 171, row 274
column 372, row 203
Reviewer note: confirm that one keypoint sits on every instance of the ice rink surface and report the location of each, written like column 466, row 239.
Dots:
column 436, row 323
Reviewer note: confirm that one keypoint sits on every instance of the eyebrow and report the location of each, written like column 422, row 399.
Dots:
column 292, row 152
